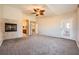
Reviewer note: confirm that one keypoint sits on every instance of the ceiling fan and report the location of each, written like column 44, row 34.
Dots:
column 38, row 11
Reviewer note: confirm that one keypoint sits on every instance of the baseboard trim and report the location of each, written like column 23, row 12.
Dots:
column 14, row 38
column 1, row 42
column 54, row 37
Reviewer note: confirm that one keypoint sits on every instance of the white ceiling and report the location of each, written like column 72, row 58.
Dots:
column 62, row 8
column 50, row 9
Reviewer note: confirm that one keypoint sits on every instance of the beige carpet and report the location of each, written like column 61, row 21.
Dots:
column 39, row 45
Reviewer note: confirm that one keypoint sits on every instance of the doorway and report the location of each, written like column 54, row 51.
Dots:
column 33, row 27
column 25, row 28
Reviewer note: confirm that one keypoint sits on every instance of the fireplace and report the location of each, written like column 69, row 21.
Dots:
column 10, row 27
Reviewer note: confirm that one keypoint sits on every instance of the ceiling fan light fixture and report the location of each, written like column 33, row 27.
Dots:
column 41, row 13
column 42, row 10
column 38, row 11
column 37, row 14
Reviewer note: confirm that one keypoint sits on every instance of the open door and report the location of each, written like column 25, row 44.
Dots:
column 25, row 27
column 33, row 28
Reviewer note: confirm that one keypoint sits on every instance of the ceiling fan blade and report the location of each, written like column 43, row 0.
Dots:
column 42, row 10
column 38, row 11
column 35, row 10
column 37, row 15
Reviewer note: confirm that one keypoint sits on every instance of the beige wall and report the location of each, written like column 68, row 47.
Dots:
column 12, row 15
column 1, row 32
column 1, row 26
column 1, row 10
column 77, row 41
column 10, row 12
column 55, row 26
column 15, row 34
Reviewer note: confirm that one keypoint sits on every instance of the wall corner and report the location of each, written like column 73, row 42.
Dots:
column 1, row 42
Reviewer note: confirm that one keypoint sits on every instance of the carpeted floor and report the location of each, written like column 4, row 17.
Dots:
column 39, row 45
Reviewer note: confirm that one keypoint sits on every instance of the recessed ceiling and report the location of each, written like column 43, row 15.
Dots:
column 50, row 9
